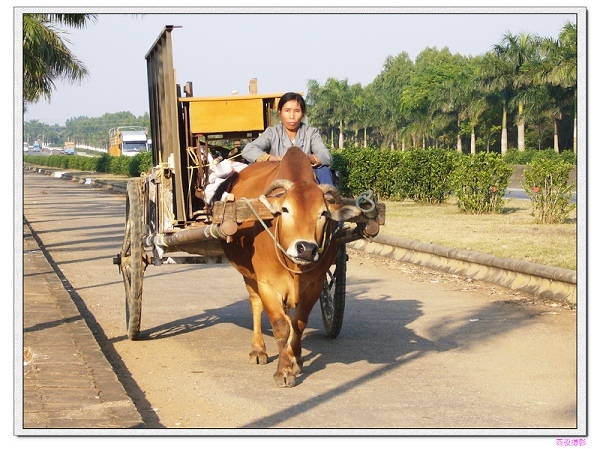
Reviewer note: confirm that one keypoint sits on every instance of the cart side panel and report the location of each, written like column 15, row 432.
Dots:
column 223, row 116
column 164, row 118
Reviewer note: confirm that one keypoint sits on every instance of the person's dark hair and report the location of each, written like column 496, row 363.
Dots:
column 292, row 96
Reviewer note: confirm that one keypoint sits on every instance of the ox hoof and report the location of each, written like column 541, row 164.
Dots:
column 258, row 358
column 283, row 380
column 297, row 368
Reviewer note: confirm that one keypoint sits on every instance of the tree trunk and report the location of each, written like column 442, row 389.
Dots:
column 521, row 130
column 556, row 137
column 458, row 139
column 473, row 142
column 341, row 139
column 575, row 135
column 504, row 139
column 365, row 137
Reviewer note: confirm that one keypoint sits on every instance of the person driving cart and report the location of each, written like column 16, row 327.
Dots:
column 273, row 143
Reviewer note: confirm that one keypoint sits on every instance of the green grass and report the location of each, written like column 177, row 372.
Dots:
column 513, row 234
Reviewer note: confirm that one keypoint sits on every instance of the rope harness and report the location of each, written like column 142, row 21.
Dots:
column 321, row 250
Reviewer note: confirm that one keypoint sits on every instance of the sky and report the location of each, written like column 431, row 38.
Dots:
column 220, row 53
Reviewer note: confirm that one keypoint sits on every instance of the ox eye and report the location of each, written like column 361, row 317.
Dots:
column 285, row 210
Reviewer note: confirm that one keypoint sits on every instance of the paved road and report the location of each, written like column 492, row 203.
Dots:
column 419, row 353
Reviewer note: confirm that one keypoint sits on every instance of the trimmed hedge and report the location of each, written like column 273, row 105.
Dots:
column 424, row 175
column 121, row 165
column 419, row 174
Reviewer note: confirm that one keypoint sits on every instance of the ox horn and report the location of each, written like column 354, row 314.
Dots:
column 284, row 184
column 332, row 190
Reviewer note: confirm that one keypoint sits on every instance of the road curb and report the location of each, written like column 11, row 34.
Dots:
column 89, row 178
column 556, row 284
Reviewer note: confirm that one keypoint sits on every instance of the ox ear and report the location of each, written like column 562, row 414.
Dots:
column 344, row 212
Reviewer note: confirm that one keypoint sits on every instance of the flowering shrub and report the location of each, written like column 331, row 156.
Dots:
column 547, row 184
column 480, row 181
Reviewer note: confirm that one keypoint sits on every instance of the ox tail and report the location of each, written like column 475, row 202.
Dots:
column 224, row 187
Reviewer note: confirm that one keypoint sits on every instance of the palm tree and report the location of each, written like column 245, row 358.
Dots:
column 456, row 96
column 518, row 51
column 367, row 111
column 46, row 57
column 560, row 67
column 541, row 111
column 316, row 113
column 499, row 73
column 495, row 75
column 357, row 112
column 473, row 113
column 338, row 97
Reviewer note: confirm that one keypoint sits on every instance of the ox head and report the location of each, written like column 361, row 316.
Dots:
column 306, row 213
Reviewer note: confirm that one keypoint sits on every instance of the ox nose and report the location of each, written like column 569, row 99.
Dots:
column 306, row 250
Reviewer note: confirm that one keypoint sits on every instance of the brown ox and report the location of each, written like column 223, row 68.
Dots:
column 284, row 268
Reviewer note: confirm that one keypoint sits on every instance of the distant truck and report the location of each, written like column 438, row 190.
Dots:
column 69, row 148
column 127, row 141
column 36, row 147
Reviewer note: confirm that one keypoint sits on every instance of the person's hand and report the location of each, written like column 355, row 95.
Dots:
column 268, row 157
column 314, row 160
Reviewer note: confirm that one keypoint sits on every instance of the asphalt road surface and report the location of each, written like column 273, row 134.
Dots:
column 420, row 353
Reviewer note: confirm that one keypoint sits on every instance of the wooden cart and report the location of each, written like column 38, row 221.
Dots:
column 168, row 219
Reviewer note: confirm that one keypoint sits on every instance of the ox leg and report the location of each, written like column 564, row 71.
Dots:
column 298, row 326
column 287, row 368
column 258, row 353
column 281, row 323
column 299, row 323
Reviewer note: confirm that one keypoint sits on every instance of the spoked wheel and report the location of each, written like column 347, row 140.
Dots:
column 133, row 260
column 333, row 295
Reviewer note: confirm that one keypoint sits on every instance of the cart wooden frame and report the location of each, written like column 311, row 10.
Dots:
column 166, row 218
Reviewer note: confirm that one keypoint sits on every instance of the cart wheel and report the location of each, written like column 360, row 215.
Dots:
column 133, row 260
column 333, row 296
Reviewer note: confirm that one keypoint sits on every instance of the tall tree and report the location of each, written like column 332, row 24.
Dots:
column 496, row 75
column 46, row 57
column 516, row 51
column 541, row 111
column 560, row 69
column 421, row 98
column 320, row 111
column 457, row 94
column 357, row 111
column 338, row 96
column 385, row 92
